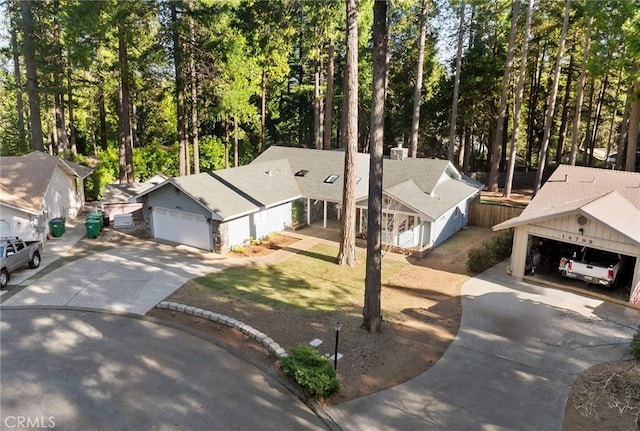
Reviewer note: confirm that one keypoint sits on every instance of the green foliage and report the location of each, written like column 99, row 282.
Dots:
column 254, row 241
column 211, row 153
column 312, row 371
column 239, row 249
column 151, row 160
column 105, row 172
column 490, row 253
column 297, row 212
column 635, row 344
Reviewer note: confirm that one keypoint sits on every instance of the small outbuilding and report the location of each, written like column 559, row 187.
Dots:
column 581, row 206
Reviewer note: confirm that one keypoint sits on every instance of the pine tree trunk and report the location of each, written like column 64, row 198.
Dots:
column 616, row 98
column 102, row 115
column 72, row 122
column 317, row 103
column 575, row 140
column 417, row 92
column 552, row 100
column 178, row 58
column 58, row 96
column 624, row 129
column 372, row 314
column 513, row 153
column 596, row 120
column 17, row 77
column 562, row 133
column 235, row 141
column 347, row 252
column 456, row 86
column 328, row 106
column 263, row 111
column 194, row 95
column 124, row 121
column 33, row 92
column 634, row 121
column 498, row 141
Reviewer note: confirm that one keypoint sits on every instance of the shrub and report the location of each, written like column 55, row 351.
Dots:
column 311, row 370
column 490, row 253
column 635, row 344
column 238, row 249
column 297, row 212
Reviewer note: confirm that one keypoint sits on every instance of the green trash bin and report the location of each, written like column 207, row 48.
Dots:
column 93, row 228
column 97, row 217
column 56, row 227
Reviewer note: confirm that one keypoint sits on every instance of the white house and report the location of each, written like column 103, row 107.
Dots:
column 36, row 188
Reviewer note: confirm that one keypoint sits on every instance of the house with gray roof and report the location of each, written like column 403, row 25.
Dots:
column 36, row 188
column 221, row 209
column 425, row 201
column 581, row 207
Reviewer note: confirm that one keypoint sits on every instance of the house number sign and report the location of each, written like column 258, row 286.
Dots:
column 577, row 239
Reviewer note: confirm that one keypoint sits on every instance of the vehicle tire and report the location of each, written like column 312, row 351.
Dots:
column 4, row 278
column 35, row 260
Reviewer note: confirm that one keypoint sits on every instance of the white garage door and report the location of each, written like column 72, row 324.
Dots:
column 181, row 227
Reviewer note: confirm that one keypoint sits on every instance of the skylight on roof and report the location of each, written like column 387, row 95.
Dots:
column 301, row 173
column 331, row 179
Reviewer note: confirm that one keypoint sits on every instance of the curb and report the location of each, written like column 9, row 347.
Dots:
column 261, row 338
column 247, row 330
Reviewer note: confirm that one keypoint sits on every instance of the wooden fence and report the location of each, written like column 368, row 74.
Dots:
column 488, row 215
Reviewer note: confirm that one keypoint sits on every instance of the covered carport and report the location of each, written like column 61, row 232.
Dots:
column 581, row 207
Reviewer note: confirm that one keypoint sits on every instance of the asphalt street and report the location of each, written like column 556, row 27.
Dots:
column 80, row 370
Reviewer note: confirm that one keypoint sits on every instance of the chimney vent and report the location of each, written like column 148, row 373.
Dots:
column 399, row 153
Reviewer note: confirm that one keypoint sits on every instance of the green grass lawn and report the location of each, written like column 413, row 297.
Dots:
column 310, row 281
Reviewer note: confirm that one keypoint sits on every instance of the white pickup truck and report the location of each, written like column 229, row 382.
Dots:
column 592, row 266
column 16, row 253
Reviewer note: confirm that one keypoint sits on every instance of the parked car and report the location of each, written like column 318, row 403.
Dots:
column 16, row 253
column 592, row 266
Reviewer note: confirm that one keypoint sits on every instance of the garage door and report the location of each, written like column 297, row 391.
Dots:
column 181, row 227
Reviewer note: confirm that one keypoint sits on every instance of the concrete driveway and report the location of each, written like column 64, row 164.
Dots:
column 131, row 279
column 78, row 370
column 518, row 350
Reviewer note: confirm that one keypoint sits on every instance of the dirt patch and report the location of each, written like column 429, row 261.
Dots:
column 422, row 315
column 262, row 247
column 606, row 396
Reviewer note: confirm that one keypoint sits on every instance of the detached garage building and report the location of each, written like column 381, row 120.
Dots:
column 581, row 206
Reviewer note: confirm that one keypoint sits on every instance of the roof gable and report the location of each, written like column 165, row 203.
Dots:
column 231, row 193
column 612, row 197
column 24, row 180
column 445, row 196
column 616, row 212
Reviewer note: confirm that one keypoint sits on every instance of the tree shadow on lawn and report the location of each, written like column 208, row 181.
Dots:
column 309, row 281
column 272, row 287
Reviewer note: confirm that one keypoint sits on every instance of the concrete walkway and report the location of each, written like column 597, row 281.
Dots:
column 518, row 350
